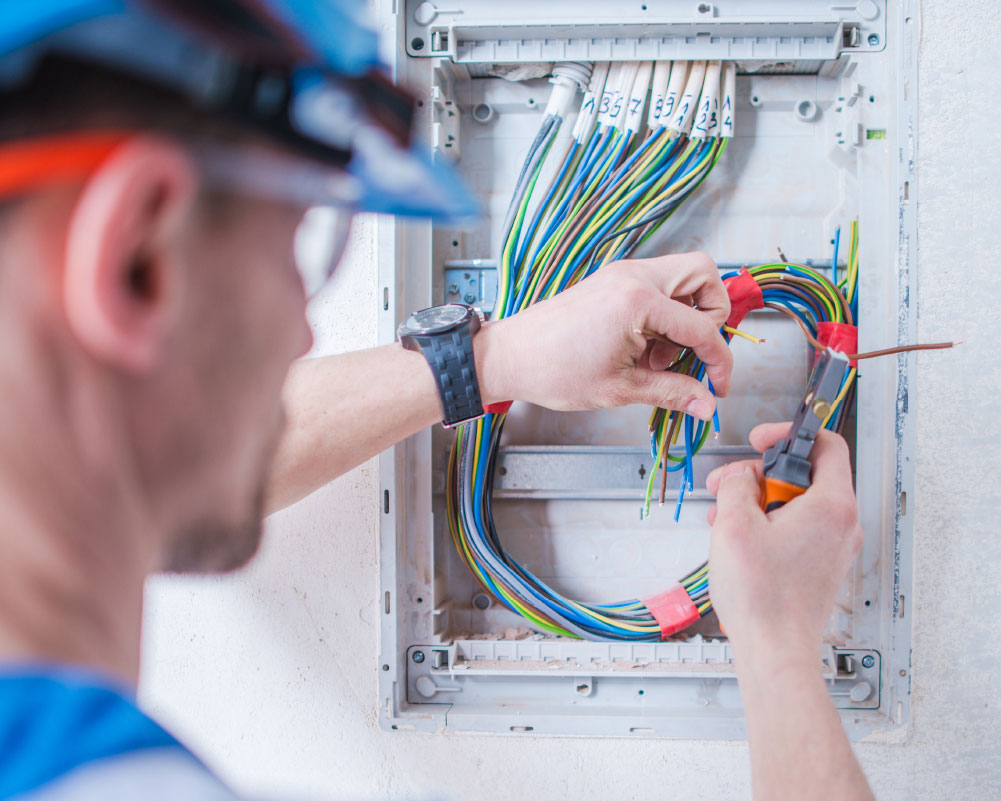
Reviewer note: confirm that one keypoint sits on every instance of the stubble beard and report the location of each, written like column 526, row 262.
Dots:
column 215, row 545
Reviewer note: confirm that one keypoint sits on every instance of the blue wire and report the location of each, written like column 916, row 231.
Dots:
column 712, row 389
column 540, row 210
column 560, row 608
column 834, row 258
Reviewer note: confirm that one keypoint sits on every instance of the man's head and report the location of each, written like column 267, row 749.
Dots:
column 159, row 316
column 156, row 158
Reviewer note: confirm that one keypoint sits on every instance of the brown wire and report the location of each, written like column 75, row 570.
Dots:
column 663, row 464
column 857, row 356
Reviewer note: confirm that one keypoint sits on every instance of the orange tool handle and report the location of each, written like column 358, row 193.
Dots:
column 776, row 493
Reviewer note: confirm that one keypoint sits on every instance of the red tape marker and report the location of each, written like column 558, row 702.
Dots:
column 745, row 296
column 840, row 337
column 501, row 407
column 673, row 610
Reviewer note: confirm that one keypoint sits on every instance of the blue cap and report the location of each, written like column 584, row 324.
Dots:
column 319, row 54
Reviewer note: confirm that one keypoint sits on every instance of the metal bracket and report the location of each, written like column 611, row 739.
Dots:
column 473, row 282
column 595, row 472
column 856, row 680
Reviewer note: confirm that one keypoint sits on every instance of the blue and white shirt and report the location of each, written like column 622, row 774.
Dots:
column 68, row 734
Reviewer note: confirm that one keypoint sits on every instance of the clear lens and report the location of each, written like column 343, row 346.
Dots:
column 319, row 244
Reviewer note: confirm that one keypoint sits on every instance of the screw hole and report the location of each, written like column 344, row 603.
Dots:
column 417, row 43
column 643, row 7
column 868, row 603
column 640, row 692
column 385, row 667
column 483, row 112
column 420, row 104
column 705, row 8
column 420, row 600
column 502, row 471
column 806, row 110
column 872, row 99
column 455, row 243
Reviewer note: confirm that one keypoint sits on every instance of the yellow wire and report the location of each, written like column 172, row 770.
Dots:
column 743, row 335
column 841, row 395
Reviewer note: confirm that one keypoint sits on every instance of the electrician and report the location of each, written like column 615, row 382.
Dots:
column 156, row 161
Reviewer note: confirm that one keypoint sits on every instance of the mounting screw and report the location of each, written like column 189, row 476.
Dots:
column 873, row 40
column 469, row 297
column 868, row 661
column 453, row 289
column 418, row 656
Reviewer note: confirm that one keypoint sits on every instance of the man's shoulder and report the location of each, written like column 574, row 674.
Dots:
column 68, row 734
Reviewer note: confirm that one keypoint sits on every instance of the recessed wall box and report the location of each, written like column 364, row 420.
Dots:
column 824, row 134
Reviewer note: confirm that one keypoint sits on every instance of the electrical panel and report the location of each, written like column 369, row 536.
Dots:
column 823, row 134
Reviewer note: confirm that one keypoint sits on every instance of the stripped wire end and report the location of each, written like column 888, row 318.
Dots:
column 712, row 389
column 734, row 332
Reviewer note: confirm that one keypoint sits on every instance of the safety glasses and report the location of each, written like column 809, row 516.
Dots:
column 327, row 195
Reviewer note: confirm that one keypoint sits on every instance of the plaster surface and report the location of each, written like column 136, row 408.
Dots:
column 270, row 674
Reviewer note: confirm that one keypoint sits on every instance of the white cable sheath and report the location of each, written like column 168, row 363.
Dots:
column 589, row 107
column 637, row 96
column 706, row 121
column 726, row 111
column 567, row 78
column 681, row 120
column 658, row 89
column 612, row 93
column 612, row 110
column 675, row 88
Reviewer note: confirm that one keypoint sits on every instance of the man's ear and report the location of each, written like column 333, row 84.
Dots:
column 120, row 271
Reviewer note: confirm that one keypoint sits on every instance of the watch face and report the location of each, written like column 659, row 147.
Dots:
column 436, row 318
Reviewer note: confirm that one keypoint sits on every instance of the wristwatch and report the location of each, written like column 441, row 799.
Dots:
column 444, row 334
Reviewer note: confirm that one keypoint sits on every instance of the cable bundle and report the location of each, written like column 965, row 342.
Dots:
column 616, row 183
column 620, row 178
column 822, row 310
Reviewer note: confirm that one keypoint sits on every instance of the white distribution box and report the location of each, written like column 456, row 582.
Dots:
column 823, row 133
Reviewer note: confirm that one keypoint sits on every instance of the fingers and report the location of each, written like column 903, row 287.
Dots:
column 690, row 274
column 830, row 456
column 738, row 496
column 695, row 329
column 832, row 464
column 762, row 437
column 713, row 479
column 673, row 391
column 662, row 355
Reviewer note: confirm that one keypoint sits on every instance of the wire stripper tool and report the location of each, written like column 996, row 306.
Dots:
column 786, row 465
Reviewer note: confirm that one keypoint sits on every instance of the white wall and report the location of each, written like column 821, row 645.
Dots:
column 271, row 674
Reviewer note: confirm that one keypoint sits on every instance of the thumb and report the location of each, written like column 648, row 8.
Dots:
column 738, row 497
column 672, row 391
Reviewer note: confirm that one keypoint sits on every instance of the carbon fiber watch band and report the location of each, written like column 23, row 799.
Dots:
column 451, row 358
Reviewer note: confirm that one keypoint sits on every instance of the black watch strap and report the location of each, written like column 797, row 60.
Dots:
column 451, row 358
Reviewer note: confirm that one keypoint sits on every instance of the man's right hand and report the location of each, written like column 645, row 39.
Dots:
column 774, row 577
